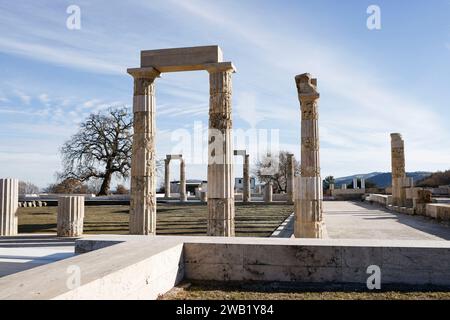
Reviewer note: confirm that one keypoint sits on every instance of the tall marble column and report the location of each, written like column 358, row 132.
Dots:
column 220, row 152
column 167, row 178
column 290, row 178
column 399, row 179
column 308, row 187
column 183, row 195
column 9, row 204
column 355, row 183
column 143, row 165
column 247, row 190
column 70, row 216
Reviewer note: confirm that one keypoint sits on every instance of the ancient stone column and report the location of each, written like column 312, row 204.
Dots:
column 183, row 195
column 246, row 187
column 167, row 178
column 331, row 186
column 220, row 152
column 247, row 191
column 344, row 186
column 143, row 173
column 9, row 204
column 70, row 216
column 268, row 192
column 308, row 187
column 363, row 183
column 290, row 178
column 355, row 183
column 399, row 179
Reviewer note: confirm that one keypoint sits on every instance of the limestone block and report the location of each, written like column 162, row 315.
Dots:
column 70, row 216
column 181, row 59
column 9, row 204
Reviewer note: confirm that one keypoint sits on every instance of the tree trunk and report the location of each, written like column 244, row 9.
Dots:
column 104, row 189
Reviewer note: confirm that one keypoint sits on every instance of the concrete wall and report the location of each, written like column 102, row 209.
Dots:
column 144, row 267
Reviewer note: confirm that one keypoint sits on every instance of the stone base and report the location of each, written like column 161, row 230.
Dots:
column 221, row 217
column 309, row 230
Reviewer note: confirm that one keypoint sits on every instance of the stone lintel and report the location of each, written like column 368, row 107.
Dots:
column 181, row 59
column 174, row 156
column 240, row 153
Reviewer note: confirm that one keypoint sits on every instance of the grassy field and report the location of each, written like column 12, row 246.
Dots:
column 172, row 219
column 274, row 291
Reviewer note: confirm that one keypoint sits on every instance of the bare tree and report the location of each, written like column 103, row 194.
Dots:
column 279, row 176
column 27, row 188
column 101, row 149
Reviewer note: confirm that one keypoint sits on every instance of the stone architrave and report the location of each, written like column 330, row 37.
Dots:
column 220, row 152
column 246, row 192
column 290, row 178
column 143, row 160
column 70, row 216
column 399, row 179
column 9, row 204
column 268, row 192
column 308, row 196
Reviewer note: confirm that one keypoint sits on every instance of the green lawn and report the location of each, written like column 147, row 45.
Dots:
column 276, row 291
column 256, row 220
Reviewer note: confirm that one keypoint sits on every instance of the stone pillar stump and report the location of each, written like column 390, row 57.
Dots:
column 70, row 216
column 9, row 204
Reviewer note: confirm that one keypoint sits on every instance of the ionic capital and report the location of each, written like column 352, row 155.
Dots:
column 147, row 73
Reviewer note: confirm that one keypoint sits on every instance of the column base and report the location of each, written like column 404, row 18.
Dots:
column 309, row 230
column 221, row 217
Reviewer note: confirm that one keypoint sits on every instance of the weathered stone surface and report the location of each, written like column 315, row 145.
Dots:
column 181, row 59
column 308, row 195
column 143, row 161
column 9, row 203
column 246, row 174
column 399, row 179
column 167, row 178
column 268, row 192
column 70, row 216
column 220, row 151
column 290, row 178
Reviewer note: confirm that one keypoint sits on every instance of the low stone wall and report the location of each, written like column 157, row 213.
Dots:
column 144, row 267
column 348, row 194
column 439, row 211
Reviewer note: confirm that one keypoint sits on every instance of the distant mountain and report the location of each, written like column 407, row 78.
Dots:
column 381, row 179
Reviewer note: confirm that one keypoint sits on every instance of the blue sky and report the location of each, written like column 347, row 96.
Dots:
column 372, row 82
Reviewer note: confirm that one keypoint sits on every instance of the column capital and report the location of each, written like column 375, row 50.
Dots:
column 144, row 73
column 306, row 87
column 220, row 67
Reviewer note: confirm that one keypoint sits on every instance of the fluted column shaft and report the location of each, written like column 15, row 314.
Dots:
column 143, row 173
column 399, row 179
column 308, row 194
column 290, row 178
column 70, row 216
column 183, row 195
column 247, row 192
column 268, row 192
column 220, row 153
column 167, row 178
column 9, row 204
